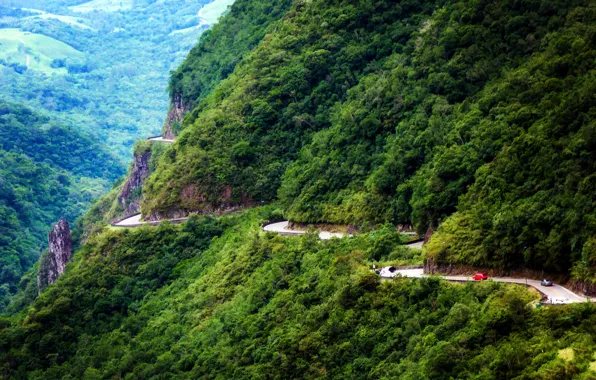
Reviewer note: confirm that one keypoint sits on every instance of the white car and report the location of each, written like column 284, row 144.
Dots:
column 559, row 300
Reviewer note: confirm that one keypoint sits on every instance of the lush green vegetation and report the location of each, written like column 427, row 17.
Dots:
column 110, row 73
column 222, row 47
column 493, row 97
column 405, row 113
column 475, row 117
column 85, row 71
column 217, row 298
column 242, row 135
column 47, row 171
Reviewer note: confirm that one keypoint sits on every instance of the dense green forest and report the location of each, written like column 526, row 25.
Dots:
column 222, row 47
column 217, row 298
column 244, row 134
column 103, row 72
column 47, row 171
column 492, row 102
column 473, row 118
column 404, row 113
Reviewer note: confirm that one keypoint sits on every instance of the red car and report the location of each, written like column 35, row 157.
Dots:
column 480, row 276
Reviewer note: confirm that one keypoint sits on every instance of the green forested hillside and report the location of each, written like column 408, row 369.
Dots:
column 217, row 298
column 46, row 172
column 237, row 142
column 494, row 96
column 473, row 118
column 393, row 112
column 222, row 47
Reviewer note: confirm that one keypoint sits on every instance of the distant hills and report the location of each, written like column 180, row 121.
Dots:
column 87, row 64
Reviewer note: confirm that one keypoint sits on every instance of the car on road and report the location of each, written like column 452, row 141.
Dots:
column 559, row 300
column 546, row 282
column 480, row 276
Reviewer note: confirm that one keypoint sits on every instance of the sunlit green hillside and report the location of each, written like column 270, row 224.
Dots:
column 34, row 51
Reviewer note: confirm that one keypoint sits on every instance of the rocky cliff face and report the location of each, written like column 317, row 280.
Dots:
column 131, row 192
column 52, row 264
column 429, row 233
column 175, row 115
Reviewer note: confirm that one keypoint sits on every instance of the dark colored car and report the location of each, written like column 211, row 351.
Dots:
column 480, row 276
column 546, row 282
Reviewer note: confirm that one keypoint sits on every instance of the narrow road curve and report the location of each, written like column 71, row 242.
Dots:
column 282, row 229
column 135, row 221
column 160, row 139
column 556, row 292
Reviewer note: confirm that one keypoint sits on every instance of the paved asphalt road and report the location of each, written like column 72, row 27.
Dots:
column 417, row 244
column 161, row 139
column 555, row 292
column 131, row 221
column 282, row 228
column 135, row 221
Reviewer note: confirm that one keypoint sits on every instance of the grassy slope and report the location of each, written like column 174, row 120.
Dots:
column 16, row 45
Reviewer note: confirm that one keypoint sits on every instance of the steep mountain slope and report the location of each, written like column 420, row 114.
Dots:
column 46, row 172
column 221, row 48
column 236, row 144
column 220, row 299
column 473, row 117
column 385, row 112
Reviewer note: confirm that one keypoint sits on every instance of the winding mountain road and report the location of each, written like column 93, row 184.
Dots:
column 131, row 221
column 555, row 293
column 135, row 221
column 160, row 139
column 282, row 228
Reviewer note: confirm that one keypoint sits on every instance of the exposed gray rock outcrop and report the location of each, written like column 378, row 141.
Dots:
column 53, row 263
column 131, row 192
column 175, row 115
